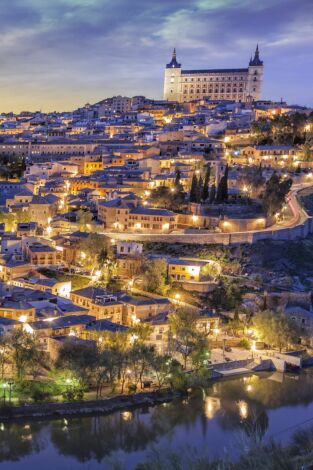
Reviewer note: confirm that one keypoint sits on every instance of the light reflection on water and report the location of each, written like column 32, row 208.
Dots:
column 216, row 421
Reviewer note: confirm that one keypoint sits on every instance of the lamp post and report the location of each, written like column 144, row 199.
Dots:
column 253, row 348
column 224, row 346
column 4, row 395
column 10, row 383
column 216, row 332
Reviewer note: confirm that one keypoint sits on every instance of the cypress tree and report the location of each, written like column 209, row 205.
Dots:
column 205, row 189
column 212, row 194
column 177, row 179
column 222, row 189
column 193, row 189
column 219, row 192
column 199, row 189
column 225, row 185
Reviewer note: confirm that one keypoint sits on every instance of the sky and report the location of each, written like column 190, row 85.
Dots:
column 61, row 54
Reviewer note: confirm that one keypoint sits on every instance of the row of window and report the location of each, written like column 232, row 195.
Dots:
column 150, row 226
column 155, row 219
column 211, row 91
column 217, row 79
column 215, row 97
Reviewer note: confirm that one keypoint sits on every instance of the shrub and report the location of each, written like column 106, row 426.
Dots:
column 244, row 343
column 40, row 395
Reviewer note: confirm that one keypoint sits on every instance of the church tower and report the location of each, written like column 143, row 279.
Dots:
column 255, row 77
column 172, row 80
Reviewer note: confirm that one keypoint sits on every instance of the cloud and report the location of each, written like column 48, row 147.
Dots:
column 65, row 52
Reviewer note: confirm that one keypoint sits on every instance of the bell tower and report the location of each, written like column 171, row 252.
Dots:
column 172, row 80
column 255, row 77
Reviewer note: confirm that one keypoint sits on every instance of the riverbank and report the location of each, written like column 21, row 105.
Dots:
column 220, row 420
column 87, row 408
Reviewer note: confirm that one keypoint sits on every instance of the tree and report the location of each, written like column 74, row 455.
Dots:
column 102, row 256
column 26, row 354
column 140, row 357
column 177, row 183
column 84, row 220
column 276, row 329
column 81, row 358
column 212, row 194
column 5, row 350
column 155, row 276
column 252, row 178
column 211, row 270
column 205, row 189
column 193, row 189
column 184, row 327
column 140, row 331
column 306, row 150
column 90, row 248
column 199, row 189
column 274, row 196
column 123, row 367
column 227, row 296
column 164, row 367
column 171, row 198
column 261, row 129
column 235, row 325
column 109, row 267
column 107, row 369
column 222, row 189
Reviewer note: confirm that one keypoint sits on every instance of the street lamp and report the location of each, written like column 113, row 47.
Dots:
column 253, row 348
column 4, row 389
column 11, row 383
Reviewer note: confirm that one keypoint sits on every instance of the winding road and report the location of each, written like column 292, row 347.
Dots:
column 298, row 226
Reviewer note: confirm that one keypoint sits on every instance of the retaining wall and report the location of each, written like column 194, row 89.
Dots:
column 108, row 405
column 299, row 227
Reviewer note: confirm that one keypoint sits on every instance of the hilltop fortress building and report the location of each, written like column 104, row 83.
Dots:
column 217, row 84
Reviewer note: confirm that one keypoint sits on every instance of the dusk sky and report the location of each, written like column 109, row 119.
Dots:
column 60, row 54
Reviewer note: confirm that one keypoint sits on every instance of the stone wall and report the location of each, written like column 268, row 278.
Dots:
column 102, row 406
column 299, row 228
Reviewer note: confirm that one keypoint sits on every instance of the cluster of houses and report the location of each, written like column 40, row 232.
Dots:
column 93, row 170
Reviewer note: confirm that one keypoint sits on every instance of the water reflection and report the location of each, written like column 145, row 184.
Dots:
column 19, row 440
column 227, row 407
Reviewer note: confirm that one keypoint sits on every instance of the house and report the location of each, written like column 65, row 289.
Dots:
column 55, row 287
column 73, row 325
column 43, row 208
column 125, row 214
column 190, row 269
column 99, row 303
column 13, row 267
column 128, row 248
column 42, row 255
column 98, row 328
column 162, row 337
column 7, row 325
column 270, row 155
column 303, row 318
column 142, row 308
column 20, row 310
column 128, row 266
column 26, row 229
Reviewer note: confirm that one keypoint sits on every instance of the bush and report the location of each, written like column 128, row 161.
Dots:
column 34, row 390
column 73, row 395
column 40, row 395
column 244, row 343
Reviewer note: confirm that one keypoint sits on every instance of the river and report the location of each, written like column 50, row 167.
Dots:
column 216, row 421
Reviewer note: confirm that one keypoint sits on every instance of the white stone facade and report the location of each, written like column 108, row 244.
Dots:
column 242, row 84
